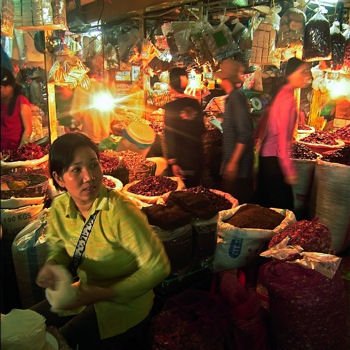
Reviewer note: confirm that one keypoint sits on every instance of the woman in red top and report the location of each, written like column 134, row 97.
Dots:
column 16, row 115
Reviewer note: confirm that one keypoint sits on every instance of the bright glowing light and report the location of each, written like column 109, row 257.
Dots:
column 339, row 88
column 103, row 101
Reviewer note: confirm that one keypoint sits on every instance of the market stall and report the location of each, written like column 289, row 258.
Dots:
column 109, row 79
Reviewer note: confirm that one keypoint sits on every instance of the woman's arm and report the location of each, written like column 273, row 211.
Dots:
column 27, row 120
column 136, row 236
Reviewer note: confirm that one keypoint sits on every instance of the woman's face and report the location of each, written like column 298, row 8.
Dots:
column 83, row 178
column 301, row 78
column 6, row 91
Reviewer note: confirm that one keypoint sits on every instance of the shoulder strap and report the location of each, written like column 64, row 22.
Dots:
column 81, row 244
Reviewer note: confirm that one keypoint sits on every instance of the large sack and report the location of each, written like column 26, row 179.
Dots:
column 204, row 237
column 178, row 244
column 13, row 220
column 29, row 252
column 332, row 205
column 307, row 309
column 302, row 190
column 237, row 247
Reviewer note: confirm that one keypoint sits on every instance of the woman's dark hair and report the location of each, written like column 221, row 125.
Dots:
column 62, row 151
column 175, row 78
column 8, row 79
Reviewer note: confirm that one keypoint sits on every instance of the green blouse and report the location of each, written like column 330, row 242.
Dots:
column 122, row 253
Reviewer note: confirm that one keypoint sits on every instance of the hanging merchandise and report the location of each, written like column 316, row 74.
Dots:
column 291, row 31
column 263, row 44
column 47, row 12
column 7, row 17
column 337, row 46
column 317, row 39
column 199, row 49
column 178, row 35
column 346, row 66
column 59, row 12
column 220, row 42
column 26, row 12
column 37, row 12
column 69, row 71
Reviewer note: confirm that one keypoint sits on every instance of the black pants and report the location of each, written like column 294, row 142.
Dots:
column 241, row 188
column 272, row 191
column 82, row 330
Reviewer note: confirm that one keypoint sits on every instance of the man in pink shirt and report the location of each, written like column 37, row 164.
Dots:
column 276, row 171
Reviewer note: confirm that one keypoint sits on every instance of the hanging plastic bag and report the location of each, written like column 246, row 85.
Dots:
column 317, row 39
column 220, row 42
column 347, row 50
column 338, row 46
column 291, row 31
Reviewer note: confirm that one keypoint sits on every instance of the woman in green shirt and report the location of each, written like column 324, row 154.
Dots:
column 123, row 258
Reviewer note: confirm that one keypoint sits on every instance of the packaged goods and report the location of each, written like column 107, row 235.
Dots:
column 347, row 50
column 263, row 44
column 338, row 46
column 291, row 32
column 307, row 309
column 312, row 236
column 317, row 39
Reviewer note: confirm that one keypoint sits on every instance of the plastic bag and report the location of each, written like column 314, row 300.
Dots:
column 220, row 42
column 29, row 252
column 347, row 50
column 338, row 46
column 317, row 39
column 292, row 26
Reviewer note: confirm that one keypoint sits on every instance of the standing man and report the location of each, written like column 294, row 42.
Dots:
column 238, row 145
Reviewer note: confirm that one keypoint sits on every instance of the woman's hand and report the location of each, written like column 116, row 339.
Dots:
column 46, row 277
column 87, row 294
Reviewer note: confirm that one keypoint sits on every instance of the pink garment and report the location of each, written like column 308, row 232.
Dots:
column 280, row 127
column 11, row 125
